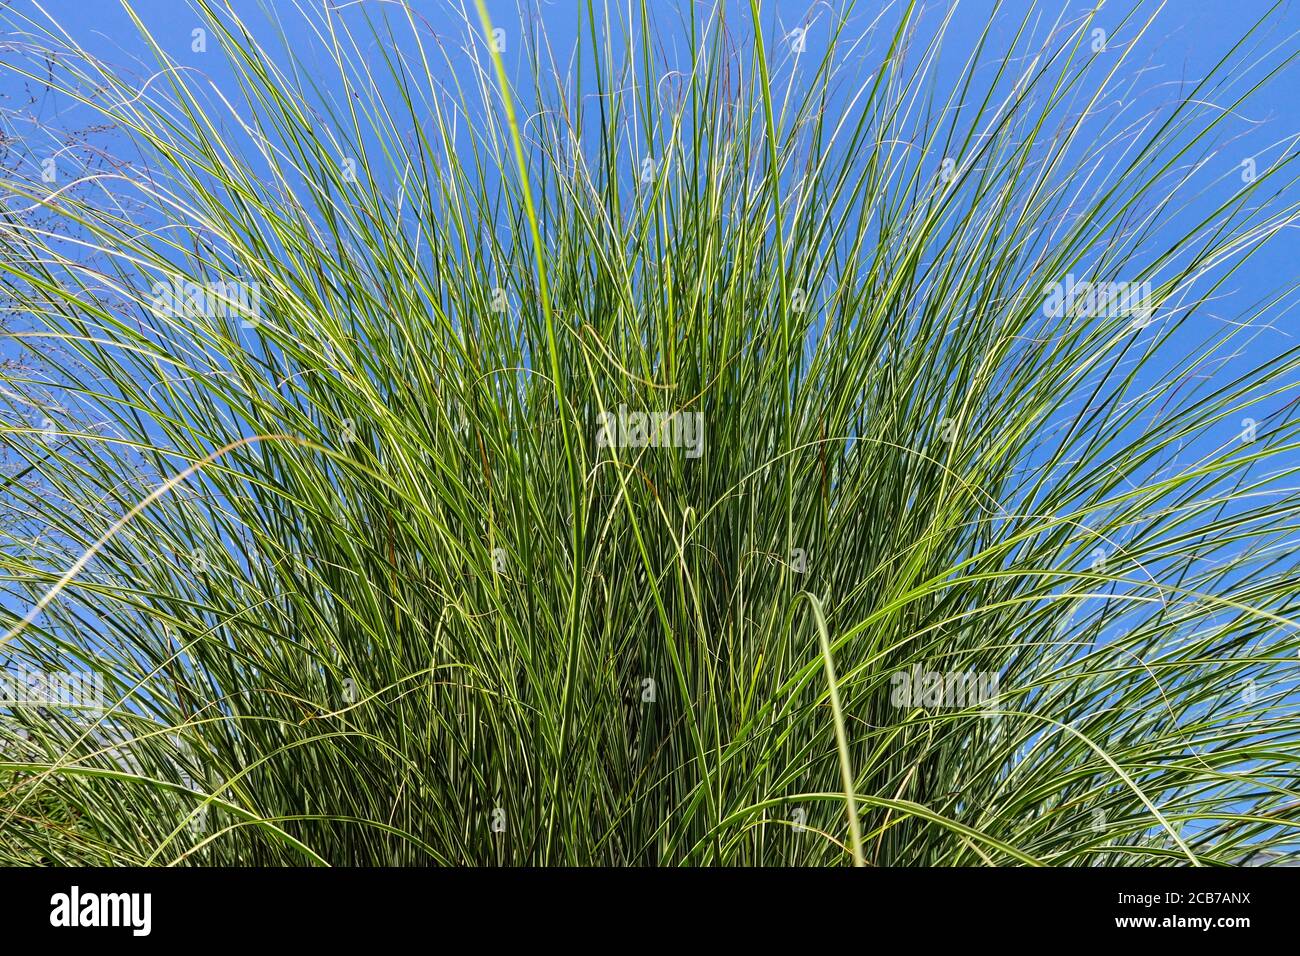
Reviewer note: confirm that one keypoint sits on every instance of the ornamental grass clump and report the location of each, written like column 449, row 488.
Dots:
column 689, row 441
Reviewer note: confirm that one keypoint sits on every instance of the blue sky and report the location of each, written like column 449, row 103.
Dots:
column 1185, row 40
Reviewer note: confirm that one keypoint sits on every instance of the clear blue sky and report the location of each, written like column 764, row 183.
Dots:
column 1185, row 41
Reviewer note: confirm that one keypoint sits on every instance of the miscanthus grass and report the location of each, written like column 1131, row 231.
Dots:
column 713, row 443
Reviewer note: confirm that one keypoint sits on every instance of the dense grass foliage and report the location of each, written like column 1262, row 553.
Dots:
column 370, row 580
